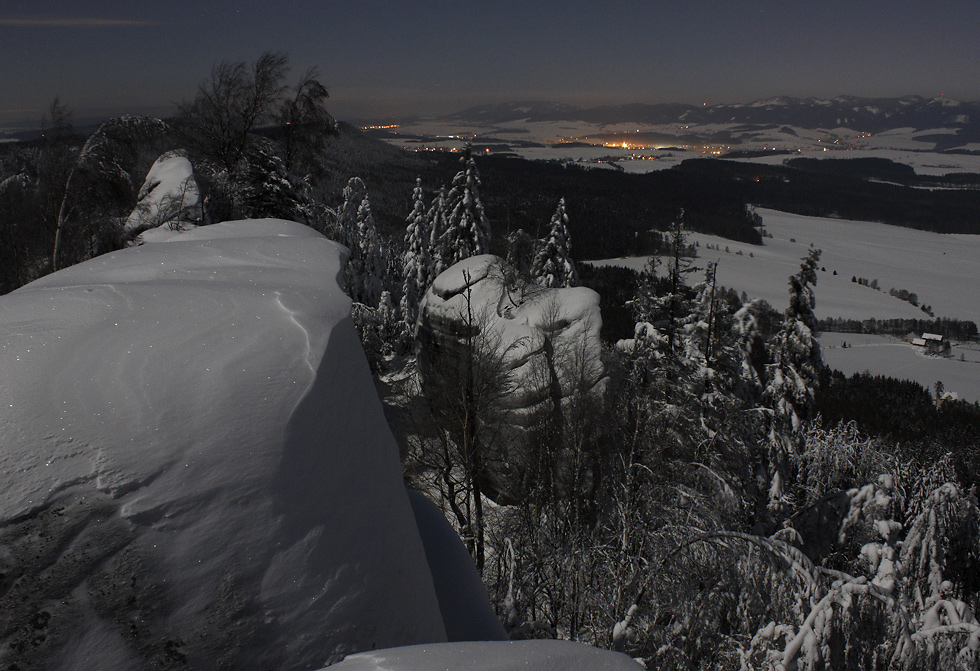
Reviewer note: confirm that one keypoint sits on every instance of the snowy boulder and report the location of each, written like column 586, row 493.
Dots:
column 169, row 199
column 195, row 465
column 545, row 342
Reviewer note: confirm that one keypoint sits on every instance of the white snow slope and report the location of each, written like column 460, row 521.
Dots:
column 505, row 656
column 195, row 465
column 941, row 269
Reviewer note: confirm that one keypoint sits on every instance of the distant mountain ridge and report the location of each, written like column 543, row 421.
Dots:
column 871, row 115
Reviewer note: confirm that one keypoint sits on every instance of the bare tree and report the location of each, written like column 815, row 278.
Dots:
column 305, row 123
column 464, row 381
column 98, row 187
column 217, row 125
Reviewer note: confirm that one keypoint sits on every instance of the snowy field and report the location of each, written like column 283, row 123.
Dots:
column 943, row 270
column 887, row 355
column 923, row 162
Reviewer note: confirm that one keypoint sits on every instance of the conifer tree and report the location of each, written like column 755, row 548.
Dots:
column 752, row 351
column 664, row 303
column 552, row 265
column 354, row 194
column 365, row 268
column 792, row 375
column 698, row 326
column 439, row 257
column 468, row 231
column 264, row 189
column 416, row 262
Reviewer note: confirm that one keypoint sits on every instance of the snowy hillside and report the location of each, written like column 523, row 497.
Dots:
column 940, row 269
column 195, row 464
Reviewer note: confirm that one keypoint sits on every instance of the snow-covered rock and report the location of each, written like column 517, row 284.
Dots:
column 195, row 465
column 492, row 656
column 547, row 340
column 169, row 198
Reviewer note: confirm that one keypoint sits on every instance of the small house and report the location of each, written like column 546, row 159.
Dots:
column 933, row 343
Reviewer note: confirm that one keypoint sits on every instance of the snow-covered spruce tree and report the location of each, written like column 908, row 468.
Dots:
column 709, row 344
column 664, row 305
column 791, row 378
column 263, row 188
column 354, row 194
column 468, row 231
column 439, row 255
column 365, row 267
column 415, row 263
column 553, row 265
column 700, row 332
column 751, row 347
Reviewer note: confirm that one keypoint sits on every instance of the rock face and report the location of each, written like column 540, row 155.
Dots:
column 545, row 341
column 195, row 465
column 169, row 199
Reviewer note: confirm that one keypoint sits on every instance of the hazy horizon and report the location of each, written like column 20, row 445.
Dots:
column 381, row 59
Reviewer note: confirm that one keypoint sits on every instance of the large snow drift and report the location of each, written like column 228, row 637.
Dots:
column 195, row 465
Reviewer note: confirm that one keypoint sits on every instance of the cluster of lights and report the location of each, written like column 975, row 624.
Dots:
column 393, row 125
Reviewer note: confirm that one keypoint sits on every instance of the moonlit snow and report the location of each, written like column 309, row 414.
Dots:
column 196, row 466
column 507, row 656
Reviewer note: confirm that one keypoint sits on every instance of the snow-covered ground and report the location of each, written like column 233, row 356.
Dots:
column 941, row 269
column 506, row 656
column 887, row 355
column 922, row 161
column 195, row 465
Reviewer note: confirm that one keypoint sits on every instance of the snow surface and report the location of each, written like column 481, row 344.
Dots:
column 494, row 656
column 196, row 466
column 909, row 153
column 891, row 356
column 941, row 269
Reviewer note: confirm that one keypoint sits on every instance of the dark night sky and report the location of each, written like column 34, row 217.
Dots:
column 378, row 58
